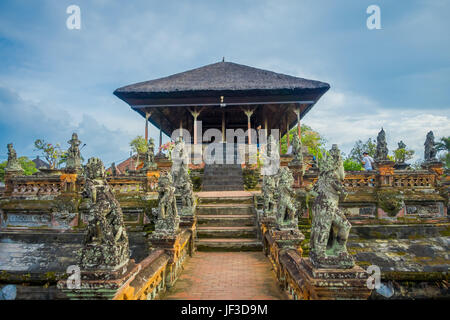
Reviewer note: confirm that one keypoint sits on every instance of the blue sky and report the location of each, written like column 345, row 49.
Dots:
column 54, row 81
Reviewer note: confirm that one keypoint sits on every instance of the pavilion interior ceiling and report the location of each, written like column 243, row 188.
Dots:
column 169, row 118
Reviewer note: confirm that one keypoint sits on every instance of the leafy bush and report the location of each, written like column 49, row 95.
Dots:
column 27, row 165
column 251, row 178
column 352, row 165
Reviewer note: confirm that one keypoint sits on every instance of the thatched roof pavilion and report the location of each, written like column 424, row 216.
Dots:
column 219, row 93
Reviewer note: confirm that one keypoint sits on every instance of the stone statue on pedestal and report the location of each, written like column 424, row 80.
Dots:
column 286, row 210
column 180, row 157
column 13, row 163
column 382, row 149
column 430, row 149
column 271, row 159
column 330, row 227
column 168, row 220
column 113, row 169
column 73, row 153
column 149, row 160
column 184, row 190
column 270, row 192
column 106, row 242
column 296, row 151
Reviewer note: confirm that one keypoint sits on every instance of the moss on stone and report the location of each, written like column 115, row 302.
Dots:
column 391, row 201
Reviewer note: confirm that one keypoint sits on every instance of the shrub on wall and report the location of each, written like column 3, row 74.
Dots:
column 251, row 178
column 390, row 201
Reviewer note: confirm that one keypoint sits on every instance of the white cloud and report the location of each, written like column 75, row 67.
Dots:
column 345, row 117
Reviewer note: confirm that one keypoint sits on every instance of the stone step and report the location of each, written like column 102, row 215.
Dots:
column 226, row 232
column 226, row 200
column 223, row 188
column 225, row 244
column 224, row 209
column 242, row 220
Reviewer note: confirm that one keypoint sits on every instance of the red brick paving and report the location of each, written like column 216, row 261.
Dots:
column 226, row 276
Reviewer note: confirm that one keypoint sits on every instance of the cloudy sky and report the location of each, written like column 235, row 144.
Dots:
column 54, row 81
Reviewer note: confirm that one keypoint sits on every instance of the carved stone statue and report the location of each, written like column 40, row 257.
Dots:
column 184, row 190
column 106, row 241
column 382, row 149
column 73, row 153
column 296, row 151
column 13, row 163
column 430, row 149
column 180, row 157
column 330, row 227
column 113, row 169
column 271, row 159
column 149, row 160
column 286, row 210
column 270, row 193
column 168, row 220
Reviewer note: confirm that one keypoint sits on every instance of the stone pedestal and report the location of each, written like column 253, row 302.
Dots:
column 386, row 169
column 297, row 172
column 164, row 164
column 176, row 246
column 98, row 284
column 436, row 167
column 332, row 284
column 287, row 238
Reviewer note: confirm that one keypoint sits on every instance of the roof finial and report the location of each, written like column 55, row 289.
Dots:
column 223, row 59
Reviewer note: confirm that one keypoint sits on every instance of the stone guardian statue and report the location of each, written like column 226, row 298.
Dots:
column 382, row 149
column 330, row 228
column 73, row 153
column 168, row 220
column 296, row 151
column 13, row 163
column 430, row 149
column 105, row 246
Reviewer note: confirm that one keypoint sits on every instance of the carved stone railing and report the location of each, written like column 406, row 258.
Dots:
column 356, row 180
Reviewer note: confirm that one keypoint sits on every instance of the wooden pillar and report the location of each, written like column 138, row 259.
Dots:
column 195, row 115
column 147, row 115
column 279, row 139
column 160, row 137
column 266, row 129
column 223, row 126
column 287, row 132
column 249, row 114
column 299, row 130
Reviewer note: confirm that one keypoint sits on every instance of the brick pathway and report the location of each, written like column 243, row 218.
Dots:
column 226, row 276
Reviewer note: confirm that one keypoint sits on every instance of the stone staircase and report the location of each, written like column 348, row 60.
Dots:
column 227, row 225
column 223, row 177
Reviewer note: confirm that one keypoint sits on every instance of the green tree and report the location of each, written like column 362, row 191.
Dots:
column 370, row 146
column 27, row 165
column 402, row 155
column 352, row 165
column 138, row 146
column 444, row 146
column 52, row 153
column 309, row 137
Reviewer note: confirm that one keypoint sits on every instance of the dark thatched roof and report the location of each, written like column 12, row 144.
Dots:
column 222, row 89
column 222, row 78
